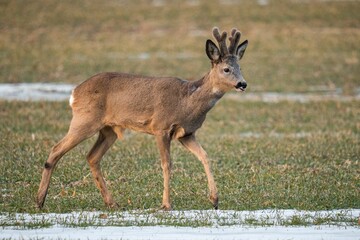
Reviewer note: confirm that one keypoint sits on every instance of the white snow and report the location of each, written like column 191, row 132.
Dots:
column 62, row 91
column 173, row 233
column 36, row 91
column 223, row 224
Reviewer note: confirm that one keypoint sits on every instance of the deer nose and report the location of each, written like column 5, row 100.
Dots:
column 241, row 85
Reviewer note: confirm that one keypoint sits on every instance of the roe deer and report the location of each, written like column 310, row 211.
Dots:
column 168, row 108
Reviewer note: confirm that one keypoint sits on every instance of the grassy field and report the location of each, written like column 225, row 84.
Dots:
column 285, row 155
column 294, row 45
column 265, row 155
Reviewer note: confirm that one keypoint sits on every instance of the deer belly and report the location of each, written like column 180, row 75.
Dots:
column 138, row 125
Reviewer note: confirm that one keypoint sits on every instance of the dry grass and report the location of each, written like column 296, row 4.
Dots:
column 293, row 45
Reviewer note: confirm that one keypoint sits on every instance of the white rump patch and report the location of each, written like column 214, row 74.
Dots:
column 72, row 99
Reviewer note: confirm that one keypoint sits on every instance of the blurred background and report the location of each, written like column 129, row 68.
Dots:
column 295, row 45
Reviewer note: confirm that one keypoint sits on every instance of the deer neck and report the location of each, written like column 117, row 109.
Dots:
column 203, row 94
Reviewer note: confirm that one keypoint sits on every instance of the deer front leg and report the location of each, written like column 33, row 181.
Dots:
column 193, row 146
column 163, row 143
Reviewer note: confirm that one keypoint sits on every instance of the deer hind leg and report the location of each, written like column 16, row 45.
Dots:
column 193, row 146
column 163, row 143
column 77, row 133
column 106, row 138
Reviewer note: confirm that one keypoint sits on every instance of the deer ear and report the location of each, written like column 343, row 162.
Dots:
column 241, row 49
column 212, row 51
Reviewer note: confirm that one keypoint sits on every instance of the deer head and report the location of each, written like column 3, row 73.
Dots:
column 226, row 72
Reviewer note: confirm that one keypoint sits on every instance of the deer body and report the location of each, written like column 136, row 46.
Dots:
column 168, row 108
column 150, row 105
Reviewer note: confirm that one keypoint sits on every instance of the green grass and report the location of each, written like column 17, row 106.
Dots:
column 293, row 46
column 304, row 156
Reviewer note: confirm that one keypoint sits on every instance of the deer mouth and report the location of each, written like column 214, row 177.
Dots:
column 240, row 89
column 240, row 86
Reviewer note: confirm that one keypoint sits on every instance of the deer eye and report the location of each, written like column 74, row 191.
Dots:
column 226, row 70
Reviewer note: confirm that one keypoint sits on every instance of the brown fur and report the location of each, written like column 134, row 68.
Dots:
column 168, row 108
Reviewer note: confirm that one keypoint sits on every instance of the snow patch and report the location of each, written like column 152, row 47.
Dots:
column 174, row 233
column 35, row 91
column 150, row 224
column 62, row 91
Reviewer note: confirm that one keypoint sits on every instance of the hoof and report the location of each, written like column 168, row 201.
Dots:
column 39, row 206
column 112, row 205
column 215, row 201
column 39, row 203
column 166, row 207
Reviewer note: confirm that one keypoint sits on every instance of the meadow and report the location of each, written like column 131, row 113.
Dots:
column 294, row 45
column 284, row 155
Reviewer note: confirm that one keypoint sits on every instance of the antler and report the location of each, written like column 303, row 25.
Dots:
column 221, row 41
column 234, row 40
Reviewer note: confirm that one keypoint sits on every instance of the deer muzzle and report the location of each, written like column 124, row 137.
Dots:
column 241, row 86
